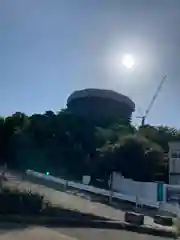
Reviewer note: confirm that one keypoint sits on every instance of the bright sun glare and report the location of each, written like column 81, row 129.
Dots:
column 128, row 61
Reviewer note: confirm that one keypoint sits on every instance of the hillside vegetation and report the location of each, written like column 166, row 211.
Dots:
column 68, row 146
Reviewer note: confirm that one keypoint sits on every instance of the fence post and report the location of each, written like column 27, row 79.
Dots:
column 136, row 202
column 66, row 185
column 111, row 189
column 177, row 221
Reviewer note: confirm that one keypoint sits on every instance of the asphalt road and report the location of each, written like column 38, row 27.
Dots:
column 70, row 201
column 103, row 234
column 67, row 200
column 36, row 233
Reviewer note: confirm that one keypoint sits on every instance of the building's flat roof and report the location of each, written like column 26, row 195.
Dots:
column 103, row 93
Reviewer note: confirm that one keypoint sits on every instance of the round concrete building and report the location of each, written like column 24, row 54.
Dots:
column 99, row 105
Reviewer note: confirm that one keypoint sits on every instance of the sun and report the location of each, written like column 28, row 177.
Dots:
column 128, row 61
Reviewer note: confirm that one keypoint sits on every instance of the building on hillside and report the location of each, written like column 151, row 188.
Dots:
column 174, row 163
column 99, row 105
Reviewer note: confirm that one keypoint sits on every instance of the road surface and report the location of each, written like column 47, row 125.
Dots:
column 72, row 202
column 36, row 233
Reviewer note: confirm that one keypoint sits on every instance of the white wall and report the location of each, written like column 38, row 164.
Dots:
column 145, row 191
column 126, row 189
column 174, row 163
column 174, row 179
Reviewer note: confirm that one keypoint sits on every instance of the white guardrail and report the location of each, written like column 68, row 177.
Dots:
column 95, row 190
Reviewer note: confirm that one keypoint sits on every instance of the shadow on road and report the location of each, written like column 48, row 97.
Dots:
column 115, row 226
column 62, row 213
column 55, row 217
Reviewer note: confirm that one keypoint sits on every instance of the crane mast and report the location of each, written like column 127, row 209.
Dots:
column 153, row 100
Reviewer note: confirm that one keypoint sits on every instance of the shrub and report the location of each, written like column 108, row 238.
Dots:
column 16, row 202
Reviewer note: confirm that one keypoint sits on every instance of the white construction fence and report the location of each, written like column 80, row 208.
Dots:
column 126, row 189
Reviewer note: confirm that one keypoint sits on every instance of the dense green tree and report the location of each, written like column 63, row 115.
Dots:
column 69, row 145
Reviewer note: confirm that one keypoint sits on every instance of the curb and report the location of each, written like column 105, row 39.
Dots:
column 74, row 222
column 163, row 220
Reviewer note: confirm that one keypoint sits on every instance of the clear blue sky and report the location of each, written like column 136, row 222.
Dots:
column 49, row 48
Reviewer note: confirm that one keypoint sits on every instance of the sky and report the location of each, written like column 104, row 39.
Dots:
column 49, row 48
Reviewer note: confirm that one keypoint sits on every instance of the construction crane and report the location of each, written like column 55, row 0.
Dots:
column 152, row 101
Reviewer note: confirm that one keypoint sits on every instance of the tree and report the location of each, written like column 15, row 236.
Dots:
column 131, row 154
column 65, row 143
